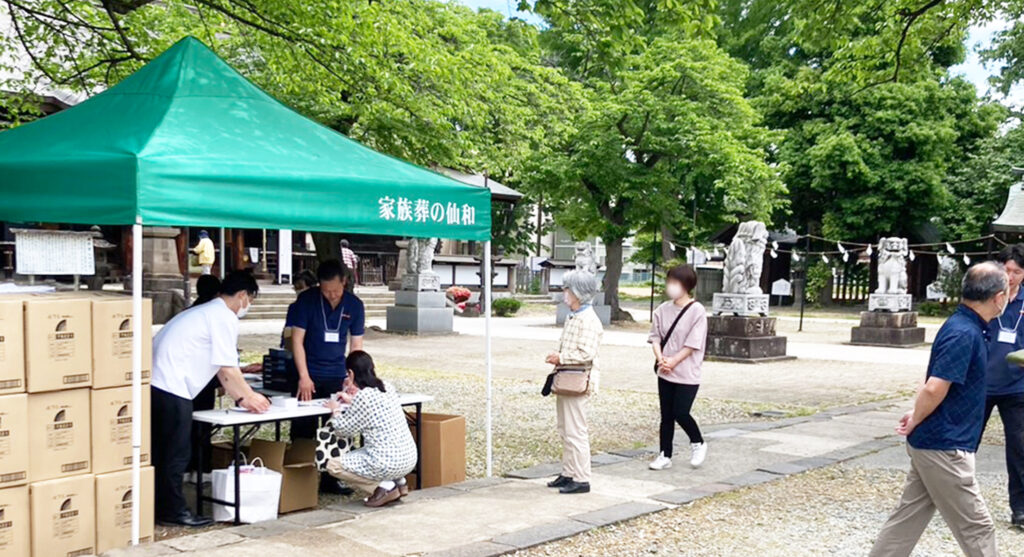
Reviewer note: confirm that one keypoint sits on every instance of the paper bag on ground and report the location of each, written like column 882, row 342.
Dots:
column 260, row 492
column 300, row 480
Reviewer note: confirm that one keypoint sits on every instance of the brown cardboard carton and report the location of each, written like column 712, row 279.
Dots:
column 300, row 480
column 112, row 340
column 64, row 517
column 58, row 343
column 59, row 432
column 12, row 345
column 13, row 440
column 112, row 429
column 114, row 509
column 14, row 522
column 443, row 450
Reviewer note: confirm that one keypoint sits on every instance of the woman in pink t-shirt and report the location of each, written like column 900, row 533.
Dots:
column 679, row 353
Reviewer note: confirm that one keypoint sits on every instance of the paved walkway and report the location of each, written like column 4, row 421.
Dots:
column 498, row 515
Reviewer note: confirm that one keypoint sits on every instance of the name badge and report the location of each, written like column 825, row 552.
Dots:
column 335, row 337
column 1009, row 337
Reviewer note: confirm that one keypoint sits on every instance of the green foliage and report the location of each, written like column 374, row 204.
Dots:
column 936, row 309
column 819, row 276
column 506, row 307
column 979, row 183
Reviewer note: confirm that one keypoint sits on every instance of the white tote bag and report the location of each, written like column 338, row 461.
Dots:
column 260, row 489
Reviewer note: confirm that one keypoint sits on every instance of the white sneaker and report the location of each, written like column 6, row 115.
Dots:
column 660, row 463
column 699, row 453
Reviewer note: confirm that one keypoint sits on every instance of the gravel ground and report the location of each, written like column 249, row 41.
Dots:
column 836, row 511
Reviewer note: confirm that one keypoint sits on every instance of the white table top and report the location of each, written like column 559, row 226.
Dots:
column 224, row 417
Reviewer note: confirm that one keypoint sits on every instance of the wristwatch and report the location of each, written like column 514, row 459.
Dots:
column 239, row 402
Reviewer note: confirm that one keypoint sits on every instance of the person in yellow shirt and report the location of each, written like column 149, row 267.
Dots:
column 206, row 252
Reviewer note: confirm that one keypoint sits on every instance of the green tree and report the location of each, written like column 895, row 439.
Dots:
column 662, row 122
column 871, row 123
column 978, row 185
column 431, row 82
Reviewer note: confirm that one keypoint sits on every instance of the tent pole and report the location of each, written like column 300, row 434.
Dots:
column 136, row 376
column 487, row 344
column 223, row 255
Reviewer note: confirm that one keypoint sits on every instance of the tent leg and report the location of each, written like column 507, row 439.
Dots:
column 136, row 377
column 223, row 255
column 487, row 344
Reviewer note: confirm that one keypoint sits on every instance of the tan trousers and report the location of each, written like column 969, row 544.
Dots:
column 942, row 480
column 366, row 485
column 572, row 428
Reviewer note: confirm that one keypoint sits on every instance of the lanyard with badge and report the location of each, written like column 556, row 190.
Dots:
column 1009, row 336
column 331, row 335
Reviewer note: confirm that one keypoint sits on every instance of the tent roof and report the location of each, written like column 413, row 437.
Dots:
column 1012, row 217
column 186, row 140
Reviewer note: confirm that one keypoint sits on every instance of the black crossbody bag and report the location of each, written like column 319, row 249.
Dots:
column 672, row 329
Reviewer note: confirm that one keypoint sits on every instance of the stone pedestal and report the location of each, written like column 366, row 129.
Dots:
column 395, row 284
column 889, row 302
column 740, row 304
column 883, row 328
column 420, row 313
column 603, row 311
column 744, row 339
column 421, row 282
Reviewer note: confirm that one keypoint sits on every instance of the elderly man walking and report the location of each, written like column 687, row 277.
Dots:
column 944, row 428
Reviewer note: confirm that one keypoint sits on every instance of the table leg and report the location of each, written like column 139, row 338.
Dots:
column 238, row 468
column 277, row 430
column 419, row 445
column 199, row 474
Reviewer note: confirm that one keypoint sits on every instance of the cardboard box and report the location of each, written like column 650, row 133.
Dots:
column 300, row 480
column 443, row 450
column 112, row 340
column 14, row 522
column 223, row 455
column 14, row 434
column 112, row 429
column 64, row 517
column 58, row 343
column 114, row 509
column 12, row 345
column 59, row 433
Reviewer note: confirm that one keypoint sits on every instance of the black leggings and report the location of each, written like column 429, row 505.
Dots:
column 676, row 401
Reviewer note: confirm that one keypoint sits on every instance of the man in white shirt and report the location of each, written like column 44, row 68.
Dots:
column 188, row 352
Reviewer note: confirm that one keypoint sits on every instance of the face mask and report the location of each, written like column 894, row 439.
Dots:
column 674, row 291
column 242, row 311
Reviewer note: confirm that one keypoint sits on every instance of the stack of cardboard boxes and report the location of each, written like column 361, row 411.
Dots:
column 66, row 445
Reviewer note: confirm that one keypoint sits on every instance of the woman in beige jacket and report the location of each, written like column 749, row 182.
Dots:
column 581, row 337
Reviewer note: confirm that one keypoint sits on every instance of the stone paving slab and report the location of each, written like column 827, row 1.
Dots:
column 617, row 513
column 791, row 444
column 543, row 533
column 539, row 471
column 470, row 485
column 145, row 550
column 755, row 477
column 431, row 493
column 715, row 487
column 681, row 496
column 479, row 549
column 604, row 459
column 725, row 433
column 784, row 468
column 206, row 540
column 636, row 453
column 318, row 517
column 265, row 529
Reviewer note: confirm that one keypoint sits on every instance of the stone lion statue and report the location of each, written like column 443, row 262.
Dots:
column 585, row 258
column 892, row 266
column 420, row 256
column 745, row 258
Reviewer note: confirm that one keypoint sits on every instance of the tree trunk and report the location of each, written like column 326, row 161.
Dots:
column 668, row 238
column 612, row 274
column 328, row 245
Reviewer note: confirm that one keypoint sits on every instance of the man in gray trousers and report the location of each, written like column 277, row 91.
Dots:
column 944, row 428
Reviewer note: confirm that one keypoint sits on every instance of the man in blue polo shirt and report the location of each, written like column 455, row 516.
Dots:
column 324, row 320
column 944, row 428
column 1006, row 380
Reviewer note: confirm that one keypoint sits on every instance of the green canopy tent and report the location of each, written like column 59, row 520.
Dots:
column 188, row 141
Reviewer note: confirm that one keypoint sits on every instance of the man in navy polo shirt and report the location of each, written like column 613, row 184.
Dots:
column 1006, row 380
column 323, row 321
column 944, row 428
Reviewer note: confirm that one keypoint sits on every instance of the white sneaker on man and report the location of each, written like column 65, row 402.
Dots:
column 699, row 451
column 660, row 463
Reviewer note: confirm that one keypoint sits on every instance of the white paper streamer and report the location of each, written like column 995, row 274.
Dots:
column 950, row 248
column 869, row 251
column 773, row 254
column 824, row 258
column 911, row 256
column 967, row 260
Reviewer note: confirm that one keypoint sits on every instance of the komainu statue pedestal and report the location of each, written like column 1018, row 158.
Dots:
column 884, row 328
column 744, row 339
